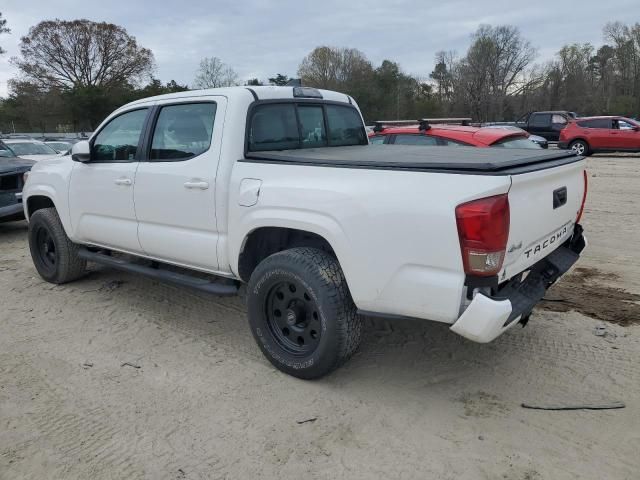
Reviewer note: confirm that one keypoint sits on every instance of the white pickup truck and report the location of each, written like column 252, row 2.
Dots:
column 277, row 188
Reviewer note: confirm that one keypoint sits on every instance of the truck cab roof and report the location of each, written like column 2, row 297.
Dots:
column 258, row 93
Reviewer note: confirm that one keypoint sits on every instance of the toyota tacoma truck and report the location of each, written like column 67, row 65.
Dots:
column 277, row 189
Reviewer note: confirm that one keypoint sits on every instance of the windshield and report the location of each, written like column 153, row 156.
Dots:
column 517, row 142
column 31, row 148
column 60, row 146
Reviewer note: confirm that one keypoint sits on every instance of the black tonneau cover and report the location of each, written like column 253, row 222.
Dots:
column 469, row 160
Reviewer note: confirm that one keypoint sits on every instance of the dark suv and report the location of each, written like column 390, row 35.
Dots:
column 12, row 170
column 543, row 124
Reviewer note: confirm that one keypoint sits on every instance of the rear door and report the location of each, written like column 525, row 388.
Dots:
column 598, row 131
column 543, row 206
column 540, row 124
column 558, row 122
column 175, row 184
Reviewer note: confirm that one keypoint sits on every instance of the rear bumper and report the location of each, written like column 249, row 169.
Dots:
column 563, row 145
column 487, row 317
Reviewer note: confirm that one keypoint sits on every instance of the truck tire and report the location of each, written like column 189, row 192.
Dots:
column 54, row 255
column 580, row 147
column 301, row 312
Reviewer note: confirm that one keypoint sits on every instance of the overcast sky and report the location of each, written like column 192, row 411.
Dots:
column 260, row 38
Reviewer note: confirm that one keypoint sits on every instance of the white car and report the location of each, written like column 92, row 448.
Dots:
column 30, row 149
column 276, row 188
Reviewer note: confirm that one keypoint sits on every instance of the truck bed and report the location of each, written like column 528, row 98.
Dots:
column 462, row 160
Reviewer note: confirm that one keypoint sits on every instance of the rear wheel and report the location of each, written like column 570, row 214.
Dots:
column 54, row 255
column 580, row 147
column 301, row 312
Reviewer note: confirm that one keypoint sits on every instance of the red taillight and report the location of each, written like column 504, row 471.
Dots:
column 483, row 229
column 584, row 197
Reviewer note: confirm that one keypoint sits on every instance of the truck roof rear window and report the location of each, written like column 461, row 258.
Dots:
column 292, row 125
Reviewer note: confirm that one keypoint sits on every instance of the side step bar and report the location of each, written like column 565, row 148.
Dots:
column 161, row 275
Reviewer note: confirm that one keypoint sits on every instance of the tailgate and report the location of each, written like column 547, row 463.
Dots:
column 543, row 205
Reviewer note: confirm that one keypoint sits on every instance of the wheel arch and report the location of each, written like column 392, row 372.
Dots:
column 264, row 241
column 38, row 202
column 582, row 139
column 39, row 198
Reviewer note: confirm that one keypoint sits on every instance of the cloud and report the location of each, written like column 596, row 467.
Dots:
column 260, row 38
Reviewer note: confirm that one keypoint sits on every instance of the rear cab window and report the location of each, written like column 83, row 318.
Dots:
column 295, row 125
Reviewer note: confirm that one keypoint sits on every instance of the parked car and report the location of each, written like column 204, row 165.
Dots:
column 12, row 172
column 321, row 227
column 29, row 149
column 544, row 124
column 426, row 133
column 589, row 135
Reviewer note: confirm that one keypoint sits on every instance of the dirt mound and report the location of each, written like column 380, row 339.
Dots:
column 585, row 290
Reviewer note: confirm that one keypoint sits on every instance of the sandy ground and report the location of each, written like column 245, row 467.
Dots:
column 117, row 376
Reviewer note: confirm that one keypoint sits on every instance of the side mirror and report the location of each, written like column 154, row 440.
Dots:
column 81, row 152
column 636, row 129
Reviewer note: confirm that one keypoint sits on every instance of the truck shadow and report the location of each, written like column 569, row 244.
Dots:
column 409, row 356
column 13, row 230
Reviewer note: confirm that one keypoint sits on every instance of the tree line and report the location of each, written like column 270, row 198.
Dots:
column 74, row 73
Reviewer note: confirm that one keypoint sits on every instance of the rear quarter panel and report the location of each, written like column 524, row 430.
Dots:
column 394, row 232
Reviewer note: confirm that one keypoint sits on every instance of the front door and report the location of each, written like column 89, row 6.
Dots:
column 625, row 135
column 175, row 187
column 101, row 190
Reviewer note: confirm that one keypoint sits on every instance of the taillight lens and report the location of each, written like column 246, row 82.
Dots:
column 483, row 229
column 584, row 197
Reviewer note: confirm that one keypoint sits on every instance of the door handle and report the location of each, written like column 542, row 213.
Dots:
column 124, row 181
column 200, row 185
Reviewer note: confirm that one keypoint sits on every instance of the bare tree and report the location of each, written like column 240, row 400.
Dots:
column 214, row 73
column 82, row 53
column 493, row 69
column 3, row 29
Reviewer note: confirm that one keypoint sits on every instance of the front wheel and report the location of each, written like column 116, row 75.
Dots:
column 301, row 312
column 580, row 147
column 54, row 255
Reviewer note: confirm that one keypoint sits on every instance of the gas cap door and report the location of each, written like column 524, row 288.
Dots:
column 249, row 192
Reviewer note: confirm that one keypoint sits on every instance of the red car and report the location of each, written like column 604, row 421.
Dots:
column 450, row 135
column 587, row 135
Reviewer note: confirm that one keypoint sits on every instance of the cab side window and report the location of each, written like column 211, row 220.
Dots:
column 345, row 126
column 183, row 131
column 118, row 140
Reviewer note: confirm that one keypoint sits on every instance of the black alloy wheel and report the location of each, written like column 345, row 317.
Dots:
column 292, row 317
